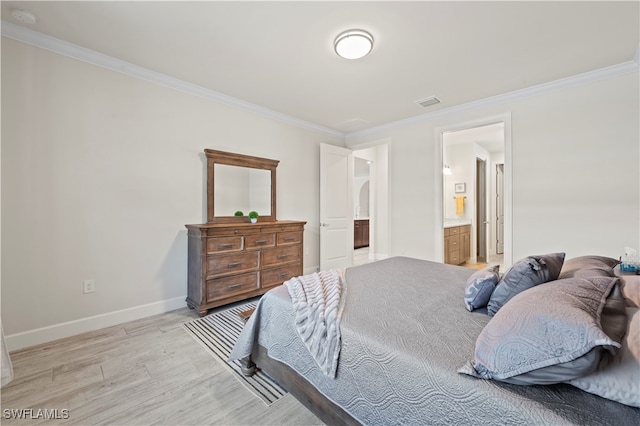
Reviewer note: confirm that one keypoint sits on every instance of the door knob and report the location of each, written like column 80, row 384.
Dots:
column 324, row 224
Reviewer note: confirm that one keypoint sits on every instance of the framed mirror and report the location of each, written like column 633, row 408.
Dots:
column 237, row 182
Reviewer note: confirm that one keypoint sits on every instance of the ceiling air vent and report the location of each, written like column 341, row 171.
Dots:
column 432, row 100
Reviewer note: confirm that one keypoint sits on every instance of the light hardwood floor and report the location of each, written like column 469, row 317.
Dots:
column 149, row 371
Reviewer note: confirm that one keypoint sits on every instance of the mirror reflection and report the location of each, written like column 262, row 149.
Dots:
column 241, row 188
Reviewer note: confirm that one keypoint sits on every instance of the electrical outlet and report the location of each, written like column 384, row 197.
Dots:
column 89, row 286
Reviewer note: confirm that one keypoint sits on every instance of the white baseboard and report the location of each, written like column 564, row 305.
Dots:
column 71, row 328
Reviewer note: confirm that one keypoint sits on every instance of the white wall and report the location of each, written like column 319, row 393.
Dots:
column 573, row 149
column 100, row 173
column 461, row 160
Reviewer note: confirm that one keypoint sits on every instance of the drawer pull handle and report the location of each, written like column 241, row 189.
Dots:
column 225, row 246
column 282, row 276
column 234, row 286
column 262, row 241
column 233, row 264
column 283, row 256
column 289, row 238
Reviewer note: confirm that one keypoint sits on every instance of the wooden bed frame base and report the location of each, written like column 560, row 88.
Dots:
column 300, row 388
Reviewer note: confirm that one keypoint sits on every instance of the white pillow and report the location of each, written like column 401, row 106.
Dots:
column 618, row 377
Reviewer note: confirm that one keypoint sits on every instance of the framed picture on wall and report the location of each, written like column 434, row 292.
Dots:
column 460, row 188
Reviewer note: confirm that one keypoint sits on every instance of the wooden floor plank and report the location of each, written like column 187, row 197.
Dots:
column 149, row 371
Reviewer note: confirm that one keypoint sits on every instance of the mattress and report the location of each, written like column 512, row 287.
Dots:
column 405, row 333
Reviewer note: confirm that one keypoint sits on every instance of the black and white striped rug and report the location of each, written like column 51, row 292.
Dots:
column 218, row 333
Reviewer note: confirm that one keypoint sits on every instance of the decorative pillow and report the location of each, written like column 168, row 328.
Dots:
column 613, row 319
column 479, row 287
column 588, row 266
column 548, row 334
column 631, row 290
column 524, row 274
column 618, row 377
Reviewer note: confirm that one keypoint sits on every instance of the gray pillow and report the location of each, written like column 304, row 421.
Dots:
column 618, row 377
column 524, row 274
column 480, row 286
column 548, row 334
column 613, row 319
column 588, row 266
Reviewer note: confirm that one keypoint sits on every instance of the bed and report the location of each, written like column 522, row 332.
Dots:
column 406, row 334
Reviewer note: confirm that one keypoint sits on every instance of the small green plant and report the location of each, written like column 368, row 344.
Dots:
column 238, row 213
column 253, row 215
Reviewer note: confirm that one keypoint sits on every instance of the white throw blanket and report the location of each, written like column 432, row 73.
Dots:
column 317, row 303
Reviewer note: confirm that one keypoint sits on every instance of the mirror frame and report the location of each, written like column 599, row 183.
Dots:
column 231, row 159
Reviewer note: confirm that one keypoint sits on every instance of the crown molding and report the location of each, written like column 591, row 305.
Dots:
column 71, row 50
column 55, row 45
column 552, row 86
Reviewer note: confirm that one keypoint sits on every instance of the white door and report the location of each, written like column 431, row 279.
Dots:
column 336, row 212
column 499, row 209
column 481, row 210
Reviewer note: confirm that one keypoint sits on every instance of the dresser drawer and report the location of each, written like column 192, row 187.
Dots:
column 277, row 276
column 224, row 244
column 455, row 230
column 234, row 263
column 287, row 228
column 225, row 287
column 259, row 241
column 232, row 231
column 291, row 237
column 281, row 255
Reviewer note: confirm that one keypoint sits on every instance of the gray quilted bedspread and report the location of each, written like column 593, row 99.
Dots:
column 405, row 332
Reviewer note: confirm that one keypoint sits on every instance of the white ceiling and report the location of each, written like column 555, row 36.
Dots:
column 279, row 55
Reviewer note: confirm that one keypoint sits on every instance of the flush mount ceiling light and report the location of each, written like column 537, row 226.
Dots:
column 353, row 44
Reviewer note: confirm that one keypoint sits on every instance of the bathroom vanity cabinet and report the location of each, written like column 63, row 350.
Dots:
column 457, row 244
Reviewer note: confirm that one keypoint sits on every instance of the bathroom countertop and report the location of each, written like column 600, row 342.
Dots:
column 451, row 224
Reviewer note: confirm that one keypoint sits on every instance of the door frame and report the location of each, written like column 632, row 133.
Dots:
column 481, row 211
column 438, row 181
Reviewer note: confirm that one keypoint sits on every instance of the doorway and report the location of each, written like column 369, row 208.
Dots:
column 376, row 159
column 469, row 153
column 337, row 201
column 363, row 250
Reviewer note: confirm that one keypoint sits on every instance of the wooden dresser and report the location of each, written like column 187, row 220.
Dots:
column 235, row 261
column 457, row 244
